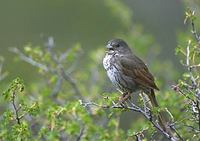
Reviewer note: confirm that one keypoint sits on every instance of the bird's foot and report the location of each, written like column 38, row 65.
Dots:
column 124, row 98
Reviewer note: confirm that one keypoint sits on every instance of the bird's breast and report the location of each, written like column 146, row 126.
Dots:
column 111, row 67
column 107, row 62
column 110, row 60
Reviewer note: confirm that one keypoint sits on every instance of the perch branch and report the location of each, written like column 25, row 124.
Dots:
column 134, row 108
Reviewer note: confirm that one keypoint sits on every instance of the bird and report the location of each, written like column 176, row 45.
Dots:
column 128, row 73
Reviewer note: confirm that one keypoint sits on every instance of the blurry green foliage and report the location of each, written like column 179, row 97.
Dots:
column 13, row 126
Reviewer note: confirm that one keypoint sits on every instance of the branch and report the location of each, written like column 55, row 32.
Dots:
column 57, row 87
column 29, row 60
column 80, row 134
column 194, row 83
column 192, row 128
column 194, row 32
column 71, row 82
column 16, row 110
column 134, row 108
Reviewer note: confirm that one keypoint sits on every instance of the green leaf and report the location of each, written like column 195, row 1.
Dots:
column 16, row 86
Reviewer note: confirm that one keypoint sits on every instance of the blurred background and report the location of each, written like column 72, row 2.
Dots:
column 152, row 28
column 91, row 23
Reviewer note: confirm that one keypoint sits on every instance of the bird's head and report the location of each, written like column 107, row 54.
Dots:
column 117, row 45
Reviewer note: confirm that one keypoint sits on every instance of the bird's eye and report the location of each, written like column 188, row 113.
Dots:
column 117, row 45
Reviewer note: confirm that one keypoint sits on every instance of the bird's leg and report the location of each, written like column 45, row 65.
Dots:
column 125, row 96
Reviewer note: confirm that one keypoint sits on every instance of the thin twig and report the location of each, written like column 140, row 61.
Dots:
column 179, row 136
column 15, row 109
column 28, row 59
column 185, row 95
column 80, row 134
column 57, row 87
column 188, row 64
column 192, row 128
column 194, row 30
column 71, row 82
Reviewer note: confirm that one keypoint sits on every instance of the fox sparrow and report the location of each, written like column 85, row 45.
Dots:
column 128, row 72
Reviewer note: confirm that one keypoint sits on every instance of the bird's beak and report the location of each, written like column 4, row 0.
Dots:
column 108, row 46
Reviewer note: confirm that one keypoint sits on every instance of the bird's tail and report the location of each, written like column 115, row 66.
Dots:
column 161, row 120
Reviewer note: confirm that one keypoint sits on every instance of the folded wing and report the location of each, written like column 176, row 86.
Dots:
column 135, row 68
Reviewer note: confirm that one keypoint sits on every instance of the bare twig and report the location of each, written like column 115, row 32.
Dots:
column 194, row 30
column 188, row 65
column 57, row 87
column 16, row 110
column 192, row 128
column 177, row 133
column 80, row 134
column 185, row 95
column 29, row 60
column 71, row 82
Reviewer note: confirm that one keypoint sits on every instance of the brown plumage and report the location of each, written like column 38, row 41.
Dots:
column 134, row 67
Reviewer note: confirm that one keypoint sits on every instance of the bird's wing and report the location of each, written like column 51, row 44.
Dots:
column 135, row 68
